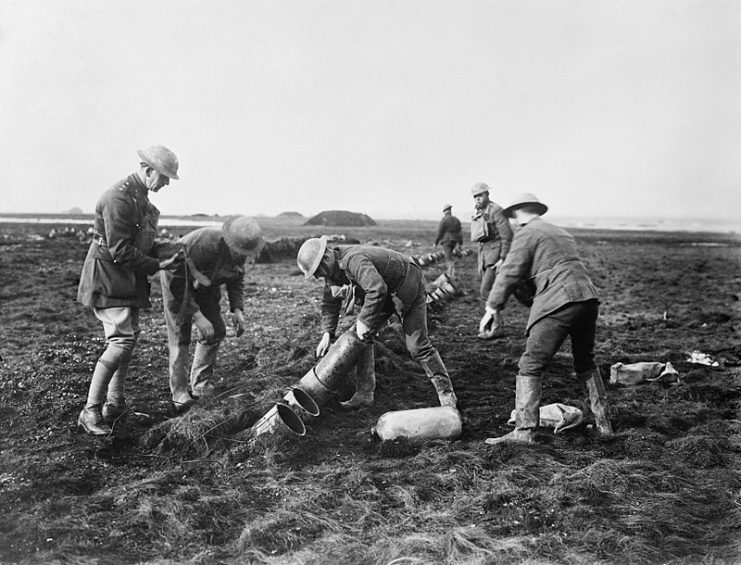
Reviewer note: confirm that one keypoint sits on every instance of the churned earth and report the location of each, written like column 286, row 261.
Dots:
column 664, row 489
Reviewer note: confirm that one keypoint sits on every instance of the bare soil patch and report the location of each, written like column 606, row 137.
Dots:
column 665, row 489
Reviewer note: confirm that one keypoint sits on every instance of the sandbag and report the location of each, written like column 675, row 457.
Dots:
column 560, row 417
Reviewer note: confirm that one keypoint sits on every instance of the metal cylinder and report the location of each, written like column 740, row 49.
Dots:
column 322, row 381
column 280, row 420
column 439, row 422
column 302, row 404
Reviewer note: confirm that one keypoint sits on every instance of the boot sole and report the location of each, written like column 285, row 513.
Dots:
column 90, row 432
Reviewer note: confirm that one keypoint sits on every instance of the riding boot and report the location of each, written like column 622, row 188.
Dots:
column 202, row 371
column 527, row 412
column 438, row 374
column 181, row 398
column 91, row 421
column 365, row 381
column 598, row 401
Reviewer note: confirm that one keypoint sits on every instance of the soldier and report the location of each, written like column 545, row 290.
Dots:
column 564, row 305
column 385, row 282
column 449, row 235
column 114, row 279
column 491, row 230
column 192, row 294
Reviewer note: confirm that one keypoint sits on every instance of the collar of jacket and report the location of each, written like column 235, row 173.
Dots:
column 138, row 188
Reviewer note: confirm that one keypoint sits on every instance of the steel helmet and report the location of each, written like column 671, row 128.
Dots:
column 525, row 198
column 161, row 159
column 243, row 235
column 479, row 188
column 310, row 255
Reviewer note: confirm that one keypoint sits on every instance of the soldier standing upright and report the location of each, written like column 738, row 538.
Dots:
column 114, row 279
column 449, row 235
column 491, row 231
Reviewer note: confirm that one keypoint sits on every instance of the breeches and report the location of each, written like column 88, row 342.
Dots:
column 121, row 328
column 448, row 247
column 576, row 320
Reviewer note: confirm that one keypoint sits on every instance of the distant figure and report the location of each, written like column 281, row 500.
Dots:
column 564, row 305
column 385, row 282
column 449, row 235
column 192, row 294
column 114, row 279
column 491, row 230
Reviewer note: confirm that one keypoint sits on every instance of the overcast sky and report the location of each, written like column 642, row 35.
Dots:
column 388, row 107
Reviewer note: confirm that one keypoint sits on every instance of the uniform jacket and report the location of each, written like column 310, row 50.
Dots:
column 500, row 235
column 209, row 263
column 117, row 264
column 547, row 255
column 449, row 230
column 382, row 279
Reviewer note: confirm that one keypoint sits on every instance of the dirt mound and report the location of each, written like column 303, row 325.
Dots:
column 290, row 215
column 340, row 218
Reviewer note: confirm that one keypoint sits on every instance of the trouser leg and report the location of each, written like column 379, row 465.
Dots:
column 365, row 380
column 178, row 322
column 437, row 373
column 204, row 358
column 414, row 325
column 487, row 281
column 202, row 372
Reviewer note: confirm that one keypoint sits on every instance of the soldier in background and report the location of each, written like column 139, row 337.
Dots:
column 449, row 235
column 114, row 279
column 491, row 231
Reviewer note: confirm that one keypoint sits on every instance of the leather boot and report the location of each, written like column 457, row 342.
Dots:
column 598, row 401
column 527, row 412
column 365, row 381
column 438, row 375
column 202, row 371
column 112, row 412
column 91, row 420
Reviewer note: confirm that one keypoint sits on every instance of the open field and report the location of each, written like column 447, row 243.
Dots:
column 665, row 489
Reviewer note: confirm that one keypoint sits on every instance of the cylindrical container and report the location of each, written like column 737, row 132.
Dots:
column 439, row 422
column 302, row 404
column 322, row 381
column 280, row 420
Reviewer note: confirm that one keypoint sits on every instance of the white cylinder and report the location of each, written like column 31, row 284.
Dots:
column 439, row 422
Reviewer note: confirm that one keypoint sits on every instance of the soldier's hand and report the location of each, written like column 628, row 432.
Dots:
column 173, row 262
column 323, row 347
column 363, row 331
column 204, row 326
column 491, row 324
column 238, row 322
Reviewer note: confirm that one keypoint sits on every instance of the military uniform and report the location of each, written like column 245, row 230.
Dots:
column 494, row 240
column 449, row 234
column 119, row 259
column 114, row 280
column 386, row 282
column 196, row 286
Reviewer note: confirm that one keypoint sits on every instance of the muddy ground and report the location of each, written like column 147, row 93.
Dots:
column 665, row 489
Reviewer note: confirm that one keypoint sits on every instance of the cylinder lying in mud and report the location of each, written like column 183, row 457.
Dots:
column 279, row 421
column 322, row 381
column 439, row 422
column 442, row 289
